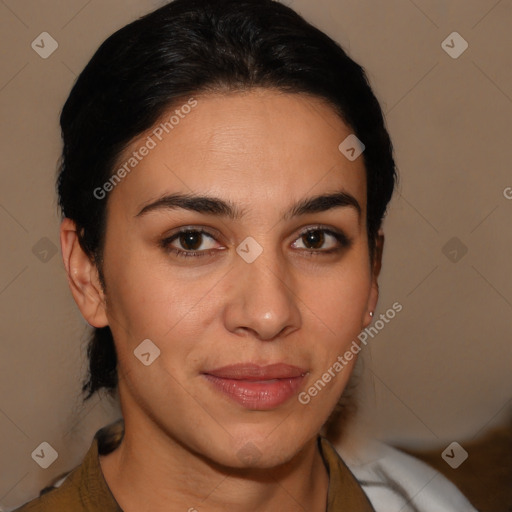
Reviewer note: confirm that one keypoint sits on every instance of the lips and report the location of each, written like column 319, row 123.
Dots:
column 253, row 372
column 257, row 387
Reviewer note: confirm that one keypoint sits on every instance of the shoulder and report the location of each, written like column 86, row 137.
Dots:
column 63, row 498
column 84, row 488
column 392, row 479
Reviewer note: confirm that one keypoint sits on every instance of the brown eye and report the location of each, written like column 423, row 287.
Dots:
column 191, row 240
column 314, row 239
column 322, row 241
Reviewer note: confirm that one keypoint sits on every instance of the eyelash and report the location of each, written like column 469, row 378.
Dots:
column 343, row 240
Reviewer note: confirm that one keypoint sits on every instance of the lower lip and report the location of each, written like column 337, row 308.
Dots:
column 258, row 395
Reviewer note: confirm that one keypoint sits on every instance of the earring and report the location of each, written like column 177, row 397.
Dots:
column 371, row 313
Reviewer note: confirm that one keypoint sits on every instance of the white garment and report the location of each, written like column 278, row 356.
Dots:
column 397, row 482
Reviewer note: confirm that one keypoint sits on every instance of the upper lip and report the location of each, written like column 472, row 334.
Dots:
column 250, row 371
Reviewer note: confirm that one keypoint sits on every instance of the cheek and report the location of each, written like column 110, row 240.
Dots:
column 153, row 299
column 337, row 305
column 151, row 302
column 339, row 299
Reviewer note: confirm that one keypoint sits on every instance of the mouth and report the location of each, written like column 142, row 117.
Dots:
column 257, row 387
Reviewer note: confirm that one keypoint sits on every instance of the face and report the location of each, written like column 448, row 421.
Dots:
column 250, row 295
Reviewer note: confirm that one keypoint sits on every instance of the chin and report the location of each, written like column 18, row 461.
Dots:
column 263, row 448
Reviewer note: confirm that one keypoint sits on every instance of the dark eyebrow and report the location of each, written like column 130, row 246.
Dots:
column 219, row 207
column 322, row 203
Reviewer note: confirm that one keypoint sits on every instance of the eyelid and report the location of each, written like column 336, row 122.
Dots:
column 171, row 237
column 343, row 240
column 207, row 230
column 321, row 227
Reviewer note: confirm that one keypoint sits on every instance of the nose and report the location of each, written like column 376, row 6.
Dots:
column 263, row 300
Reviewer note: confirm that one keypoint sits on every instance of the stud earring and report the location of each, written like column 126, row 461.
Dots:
column 371, row 313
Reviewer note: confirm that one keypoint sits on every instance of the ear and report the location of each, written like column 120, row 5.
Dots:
column 83, row 277
column 374, row 291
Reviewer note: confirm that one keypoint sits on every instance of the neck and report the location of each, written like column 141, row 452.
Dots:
column 151, row 471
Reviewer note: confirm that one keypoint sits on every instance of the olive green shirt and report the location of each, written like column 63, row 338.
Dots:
column 85, row 488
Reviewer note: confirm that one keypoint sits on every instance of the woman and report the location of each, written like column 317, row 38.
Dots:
column 225, row 174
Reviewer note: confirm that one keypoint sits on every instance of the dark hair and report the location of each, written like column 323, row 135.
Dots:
column 185, row 48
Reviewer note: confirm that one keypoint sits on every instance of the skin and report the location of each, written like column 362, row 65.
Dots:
column 263, row 151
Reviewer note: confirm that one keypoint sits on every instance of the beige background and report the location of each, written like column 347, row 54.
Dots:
column 439, row 372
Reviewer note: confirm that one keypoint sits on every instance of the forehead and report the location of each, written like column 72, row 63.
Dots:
column 260, row 147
